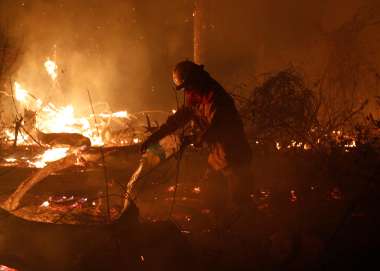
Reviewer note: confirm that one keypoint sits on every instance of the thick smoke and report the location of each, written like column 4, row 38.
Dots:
column 123, row 50
column 119, row 50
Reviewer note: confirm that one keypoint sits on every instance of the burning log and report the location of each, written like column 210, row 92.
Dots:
column 52, row 139
column 70, row 139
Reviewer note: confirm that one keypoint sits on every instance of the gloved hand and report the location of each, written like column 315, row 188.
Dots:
column 145, row 145
column 154, row 138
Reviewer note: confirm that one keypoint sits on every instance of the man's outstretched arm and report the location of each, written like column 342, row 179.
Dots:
column 174, row 122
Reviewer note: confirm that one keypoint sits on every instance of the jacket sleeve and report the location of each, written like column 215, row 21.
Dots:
column 221, row 111
column 174, row 122
column 215, row 115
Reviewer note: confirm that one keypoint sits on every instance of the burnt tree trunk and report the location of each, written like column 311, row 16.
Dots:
column 200, row 15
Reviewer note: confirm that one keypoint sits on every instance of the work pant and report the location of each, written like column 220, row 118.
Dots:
column 228, row 189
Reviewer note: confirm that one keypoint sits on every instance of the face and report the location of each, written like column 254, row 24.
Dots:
column 177, row 80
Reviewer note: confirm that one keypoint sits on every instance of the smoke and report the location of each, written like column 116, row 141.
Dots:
column 112, row 48
column 123, row 50
column 254, row 37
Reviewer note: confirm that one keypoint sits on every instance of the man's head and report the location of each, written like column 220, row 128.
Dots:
column 187, row 74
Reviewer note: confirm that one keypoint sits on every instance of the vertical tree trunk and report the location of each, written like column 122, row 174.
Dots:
column 200, row 25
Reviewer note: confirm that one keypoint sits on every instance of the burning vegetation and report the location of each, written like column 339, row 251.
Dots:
column 73, row 178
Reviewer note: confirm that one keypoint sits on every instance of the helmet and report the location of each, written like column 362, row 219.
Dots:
column 185, row 73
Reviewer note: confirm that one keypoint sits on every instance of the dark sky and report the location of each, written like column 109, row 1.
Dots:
column 124, row 50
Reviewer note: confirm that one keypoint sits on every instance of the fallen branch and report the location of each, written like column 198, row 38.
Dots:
column 14, row 200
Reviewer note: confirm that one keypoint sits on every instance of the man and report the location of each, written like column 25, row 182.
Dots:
column 213, row 112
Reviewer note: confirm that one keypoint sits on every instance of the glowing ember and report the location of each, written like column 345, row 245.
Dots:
column 278, row 146
column 6, row 268
column 336, row 194
column 197, row 190
column 293, row 196
column 45, row 204
column 306, row 147
column 51, row 69
column 352, row 144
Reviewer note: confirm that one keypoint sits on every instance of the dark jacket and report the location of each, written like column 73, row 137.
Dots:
column 213, row 110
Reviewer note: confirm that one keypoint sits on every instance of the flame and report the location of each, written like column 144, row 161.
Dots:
column 54, row 119
column 51, row 68
column 54, row 154
column 22, row 138
column 25, row 98
column 120, row 114
column 49, row 155
column 51, row 118
column 10, row 160
column 20, row 93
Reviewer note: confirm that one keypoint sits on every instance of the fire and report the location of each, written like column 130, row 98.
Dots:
column 50, row 155
column 10, row 160
column 20, row 93
column 25, row 98
column 54, row 154
column 62, row 119
column 22, row 138
column 52, row 118
column 120, row 114
column 51, row 68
